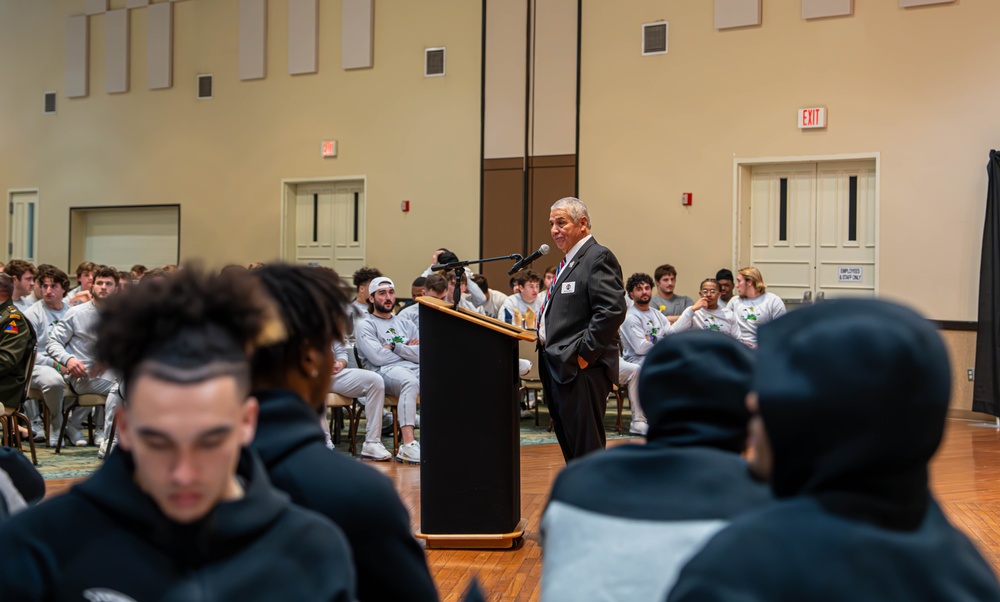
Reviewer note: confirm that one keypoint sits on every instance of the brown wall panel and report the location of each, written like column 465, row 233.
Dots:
column 503, row 190
column 548, row 185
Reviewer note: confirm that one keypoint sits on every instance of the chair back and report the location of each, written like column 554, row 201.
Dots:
column 27, row 373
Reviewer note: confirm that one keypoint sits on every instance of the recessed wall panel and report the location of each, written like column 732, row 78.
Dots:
column 506, row 45
column 95, row 7
column 554, row 110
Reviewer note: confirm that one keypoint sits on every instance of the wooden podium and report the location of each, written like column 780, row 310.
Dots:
column 470, row 429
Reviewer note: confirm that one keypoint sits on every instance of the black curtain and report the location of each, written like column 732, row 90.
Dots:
column 986, row 392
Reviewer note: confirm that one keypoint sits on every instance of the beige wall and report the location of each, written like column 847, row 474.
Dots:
column 916, row 86
column 223, row 160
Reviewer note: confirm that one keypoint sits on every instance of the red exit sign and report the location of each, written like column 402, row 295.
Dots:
column 812, row 118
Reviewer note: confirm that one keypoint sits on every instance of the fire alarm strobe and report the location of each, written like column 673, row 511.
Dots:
column 404, row 206
column 686, row 198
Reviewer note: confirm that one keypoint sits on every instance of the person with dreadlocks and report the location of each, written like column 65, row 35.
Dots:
column 180, row 510
column 291, row 380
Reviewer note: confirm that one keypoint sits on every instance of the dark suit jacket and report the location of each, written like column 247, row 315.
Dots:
column 584, row 313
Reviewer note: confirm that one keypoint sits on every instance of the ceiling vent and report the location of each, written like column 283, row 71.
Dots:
column 654, row 38
column 433, row 62
column 204, row 87
column 49, row 105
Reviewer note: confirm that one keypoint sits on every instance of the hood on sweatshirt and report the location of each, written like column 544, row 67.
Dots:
column 853, row 394
column 693, row 387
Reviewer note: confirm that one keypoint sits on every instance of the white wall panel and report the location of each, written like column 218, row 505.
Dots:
column 737, row 13
column 253, row 39
column 302, row 33
column 77, row 56
column 116, row 51
column 136, row 3
column 94, row 7
column 817, row 9
column 357, row 34
column 160, row 49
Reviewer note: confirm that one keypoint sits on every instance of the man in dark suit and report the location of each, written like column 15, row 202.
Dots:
column 578, row 331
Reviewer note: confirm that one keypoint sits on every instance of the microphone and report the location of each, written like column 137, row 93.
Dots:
column 542, row 250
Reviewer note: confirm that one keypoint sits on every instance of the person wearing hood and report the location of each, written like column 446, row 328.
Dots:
column 180, row 510
column 850, row 399
column 621, row 523
column 291, row 380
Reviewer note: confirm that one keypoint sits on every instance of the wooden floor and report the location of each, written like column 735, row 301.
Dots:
column 965, row 478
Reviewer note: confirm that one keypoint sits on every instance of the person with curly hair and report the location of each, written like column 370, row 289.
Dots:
column 181, row 510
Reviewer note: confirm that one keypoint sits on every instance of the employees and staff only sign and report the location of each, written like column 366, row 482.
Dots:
column 849, row 273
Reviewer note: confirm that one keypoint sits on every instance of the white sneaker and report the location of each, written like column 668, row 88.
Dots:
column 102, row 450
column 638, row 427
column 329, row 443
column 99, row 439
column 526, row 413
column 376, row 451
column 76, row 436
column 409, row 453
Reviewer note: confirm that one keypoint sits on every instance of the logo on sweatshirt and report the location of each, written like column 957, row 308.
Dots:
column 394, row 336
column 751, row 316
column 101, row 594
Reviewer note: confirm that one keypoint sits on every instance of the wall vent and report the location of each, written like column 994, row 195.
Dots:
column 433, row 62
column 49, row 104
column 654, row 38
column 204, row 87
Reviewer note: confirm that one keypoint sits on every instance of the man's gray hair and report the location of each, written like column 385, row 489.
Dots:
column 6, row 285
column 574, row 207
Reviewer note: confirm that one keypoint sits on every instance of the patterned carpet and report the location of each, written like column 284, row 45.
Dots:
column 81, row 461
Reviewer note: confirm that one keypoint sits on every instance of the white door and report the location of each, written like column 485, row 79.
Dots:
column 812, row 228
column 22, row 235
column 330, row 225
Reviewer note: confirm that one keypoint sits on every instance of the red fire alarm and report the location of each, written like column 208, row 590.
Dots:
column 686, row 198
column 405, row 206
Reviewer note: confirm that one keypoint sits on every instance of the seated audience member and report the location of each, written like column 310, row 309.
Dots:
column 707, row 313
column 138, row 271
column 725, row 279
column 390, row 346
column 84, row 279
column 621, row 523
column 72, row 344
column 437, row 286
column 546, row 283
column 23, row 273
column 361, row 279
column 170, row 268
column 47, row 377
column 854, row 517
column 665, row 300
column 476, row 296
column 521, row 309
column 181, row 510
column 291, row 382
column 17, row 340
column 124, row 280
column 21, row 485
column 514, row 289
column 494, row 298
column 753, row 306
column 416, row 290
column 254, row 265
column 642, row 328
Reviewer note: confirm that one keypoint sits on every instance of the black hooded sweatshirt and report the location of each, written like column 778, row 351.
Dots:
column 107, row 540
column 854, row 395
column 621, row 523
column 390, row 563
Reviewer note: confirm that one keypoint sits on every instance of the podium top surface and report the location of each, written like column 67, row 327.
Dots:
column 484, row 321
